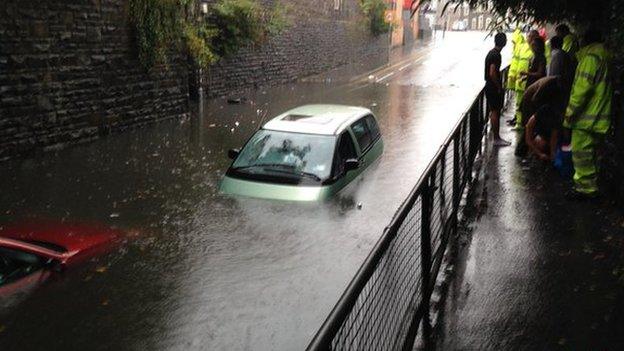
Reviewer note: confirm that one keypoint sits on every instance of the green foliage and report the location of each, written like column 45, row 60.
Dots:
column 244, row 22
column 375, row 12
column 276, row 20
column 238, row 23
column 155, row 23
column 164, row 25
column 198, row 43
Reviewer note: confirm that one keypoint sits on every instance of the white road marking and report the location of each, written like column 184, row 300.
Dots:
column 404, row 67
column 384, row 77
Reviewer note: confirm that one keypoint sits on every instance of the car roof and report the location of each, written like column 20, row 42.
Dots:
column 317, row 119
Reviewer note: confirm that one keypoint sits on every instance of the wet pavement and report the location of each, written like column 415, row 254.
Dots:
column 536, row 271
column 206, row 271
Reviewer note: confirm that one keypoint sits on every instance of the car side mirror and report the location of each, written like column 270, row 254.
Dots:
column 352, row 164
column 233, row 153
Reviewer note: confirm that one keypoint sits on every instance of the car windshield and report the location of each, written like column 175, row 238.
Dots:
column 288, row 155
column 15, row 264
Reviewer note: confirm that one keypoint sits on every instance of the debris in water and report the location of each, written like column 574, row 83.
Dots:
column 236, row 123
column 212, row 125
column 232, row 130
column 359, row 206
column 101, row 269
column 374, row 104
column 114, row 215
column 234, row 101
column 371, row 77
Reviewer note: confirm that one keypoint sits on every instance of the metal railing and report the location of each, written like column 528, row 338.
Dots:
column 385, row 303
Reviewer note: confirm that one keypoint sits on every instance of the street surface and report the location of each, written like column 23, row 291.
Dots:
column 536, row 271
column 205, row 271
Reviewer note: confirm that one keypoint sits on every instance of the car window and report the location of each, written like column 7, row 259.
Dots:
column 362, row 133
column 16, row 264
column 372, row 126
column 287, row 154
column 345, row 151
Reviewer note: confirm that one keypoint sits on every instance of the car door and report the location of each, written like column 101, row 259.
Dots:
column 366, row 133
column 345, row 149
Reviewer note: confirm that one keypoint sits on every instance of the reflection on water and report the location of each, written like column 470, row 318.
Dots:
column 209, row 271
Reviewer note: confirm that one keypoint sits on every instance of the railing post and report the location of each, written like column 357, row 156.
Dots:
column 456, row 177
column 422, row 308
column 425, row 245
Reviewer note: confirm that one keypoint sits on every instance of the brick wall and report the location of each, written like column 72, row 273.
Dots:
column 68, row 73
column 318, row 38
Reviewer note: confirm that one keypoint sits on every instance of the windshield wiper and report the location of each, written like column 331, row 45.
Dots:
column 301, row 174
column 261, row 165
column 281, row 165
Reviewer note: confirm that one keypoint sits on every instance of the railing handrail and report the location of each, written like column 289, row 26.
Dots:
column 332, row 324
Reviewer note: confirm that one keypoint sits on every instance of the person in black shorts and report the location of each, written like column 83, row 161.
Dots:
column 494, row 91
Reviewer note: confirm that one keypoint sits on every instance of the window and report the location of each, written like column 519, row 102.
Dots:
column 481, row 22
column 346, row 150
column 373, row 127
column 466, row 10
column 474, row 24
column 488, row 22
column 17, row 264
column 287, row 155
column 362, row 134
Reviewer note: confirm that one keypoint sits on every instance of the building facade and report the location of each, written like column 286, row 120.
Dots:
column 462, row 17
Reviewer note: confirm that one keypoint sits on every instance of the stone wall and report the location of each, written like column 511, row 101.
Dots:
column 68, row 73
column 319, row 37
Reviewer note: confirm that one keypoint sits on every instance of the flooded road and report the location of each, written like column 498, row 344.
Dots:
column 205, row 271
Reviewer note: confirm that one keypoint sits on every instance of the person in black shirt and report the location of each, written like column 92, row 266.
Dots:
column 537, row 67
column 494, row 87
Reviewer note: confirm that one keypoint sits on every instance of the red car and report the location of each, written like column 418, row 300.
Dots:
column 33, row 253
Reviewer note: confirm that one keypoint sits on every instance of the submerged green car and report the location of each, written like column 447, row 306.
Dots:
column 309, row 153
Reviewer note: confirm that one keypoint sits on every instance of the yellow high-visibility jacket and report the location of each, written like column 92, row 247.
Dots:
column 570, row 44
column 525, row 55
column 516, row 40
column 589, row 107
column 548, row 53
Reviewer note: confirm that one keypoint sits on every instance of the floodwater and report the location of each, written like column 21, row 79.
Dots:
column 207, row 271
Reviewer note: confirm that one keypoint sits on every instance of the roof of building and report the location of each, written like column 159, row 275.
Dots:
column 317, row 119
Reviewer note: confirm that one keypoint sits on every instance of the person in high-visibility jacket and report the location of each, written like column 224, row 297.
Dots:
column 516, row 40
column 589, row 112
column 524, row 57
column 570, row 43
